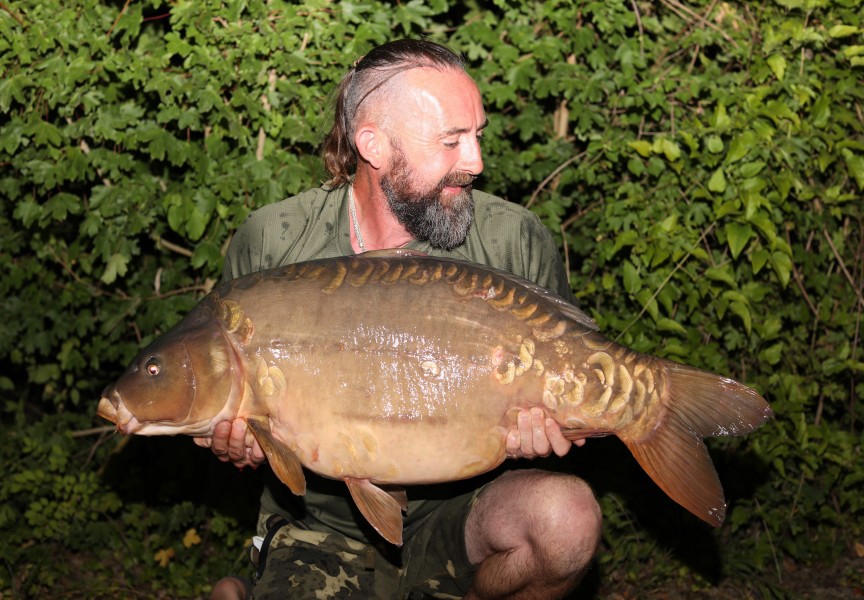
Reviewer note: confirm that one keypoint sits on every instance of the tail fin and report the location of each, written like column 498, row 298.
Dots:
column 700, row 404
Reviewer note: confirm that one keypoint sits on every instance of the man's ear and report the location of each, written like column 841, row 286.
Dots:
column 371, row 145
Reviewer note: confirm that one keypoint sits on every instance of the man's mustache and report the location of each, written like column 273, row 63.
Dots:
column 458, row 180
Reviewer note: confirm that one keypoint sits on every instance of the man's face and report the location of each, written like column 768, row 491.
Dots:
column 428, row 212
column 435, row 156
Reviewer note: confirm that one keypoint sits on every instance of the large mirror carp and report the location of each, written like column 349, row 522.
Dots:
column 395, row 368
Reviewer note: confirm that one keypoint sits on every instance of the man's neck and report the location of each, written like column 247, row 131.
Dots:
column 379, row 228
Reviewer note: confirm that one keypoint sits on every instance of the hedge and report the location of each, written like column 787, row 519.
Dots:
column 700, row 164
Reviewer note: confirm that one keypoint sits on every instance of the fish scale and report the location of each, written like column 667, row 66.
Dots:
column 394, row 368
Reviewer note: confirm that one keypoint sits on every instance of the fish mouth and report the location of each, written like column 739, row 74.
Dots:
column 111, row 408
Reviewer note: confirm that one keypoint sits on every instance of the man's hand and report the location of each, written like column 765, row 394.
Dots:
column 535, row 435
column 232, row 443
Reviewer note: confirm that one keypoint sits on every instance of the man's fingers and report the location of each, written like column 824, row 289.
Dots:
column 256, row 455
column 526, row 435
column 237, row 441
column 204, row 442
column 512, row 446
column 540, row 439
column 219, row 444
column 536, row 434
column 560, row 444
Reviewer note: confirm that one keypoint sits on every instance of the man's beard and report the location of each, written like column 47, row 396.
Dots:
column 423, row 213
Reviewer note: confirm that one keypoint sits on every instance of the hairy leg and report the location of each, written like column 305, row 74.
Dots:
column 533, row 535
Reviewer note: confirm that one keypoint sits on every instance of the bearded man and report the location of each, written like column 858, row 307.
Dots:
column 403, row 154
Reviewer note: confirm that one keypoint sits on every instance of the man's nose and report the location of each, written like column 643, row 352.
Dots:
column 471, row 160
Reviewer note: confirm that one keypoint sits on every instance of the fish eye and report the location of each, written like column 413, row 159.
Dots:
column 152, row 366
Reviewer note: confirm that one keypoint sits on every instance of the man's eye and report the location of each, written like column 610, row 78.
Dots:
column 451, row 144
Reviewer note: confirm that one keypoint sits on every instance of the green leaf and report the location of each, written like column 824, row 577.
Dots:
column 667, row 324
column 45, row 133
column 668, row 148
column 721, row 119
column 782, row 266
column 28, row 212
column 45, row 373
column 742, row 311
column 737, row 237
column 12, row 88
column 730, row 207
column 720, row 274
column 821, row 112
column 762, row 220
column 116, row 267
column 740, row 146
column 632, row 281
column 623, row 239
column 779, row 111
column 646, row 299
column 855, row 164
column 759, row 259
column 642, row 147
column 206, row 253
column 772, row 354
column 717, row 183
column 778, row 65
column 714, row 144
column 751, row 169
column 62, row 205
column 197, row 224
column 839, row 31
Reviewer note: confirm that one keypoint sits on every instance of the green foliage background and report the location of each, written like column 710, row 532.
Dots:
column 701, row 164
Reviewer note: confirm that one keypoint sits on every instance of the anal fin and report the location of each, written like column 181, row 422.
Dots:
column 380, row 507
column 283, row 460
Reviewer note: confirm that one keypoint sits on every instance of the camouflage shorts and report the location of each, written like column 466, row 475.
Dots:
column 295, row 562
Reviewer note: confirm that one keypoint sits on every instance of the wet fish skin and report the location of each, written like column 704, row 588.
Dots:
column 393, row 368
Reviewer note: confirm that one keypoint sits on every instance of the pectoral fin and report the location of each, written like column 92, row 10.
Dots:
column 575, row 435
column 381, row 508
column 283, row 460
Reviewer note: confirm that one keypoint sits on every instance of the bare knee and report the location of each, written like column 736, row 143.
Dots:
column 550, row 522
column 231, row 588
column 566, row 523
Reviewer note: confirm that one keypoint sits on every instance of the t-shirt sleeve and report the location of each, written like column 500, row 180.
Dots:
column 244, row 252
column 542, row 262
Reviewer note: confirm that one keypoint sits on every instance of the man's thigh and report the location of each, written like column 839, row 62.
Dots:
column 435, row 561
column 299, row 563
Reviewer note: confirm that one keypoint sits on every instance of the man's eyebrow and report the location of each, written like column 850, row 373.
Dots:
column 458, row 130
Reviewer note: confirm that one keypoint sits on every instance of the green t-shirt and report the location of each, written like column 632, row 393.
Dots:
column 315, row 224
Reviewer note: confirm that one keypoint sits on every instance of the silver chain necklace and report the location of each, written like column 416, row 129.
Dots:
column 353, row 210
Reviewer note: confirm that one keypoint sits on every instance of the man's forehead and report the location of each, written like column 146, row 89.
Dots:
column 450, row 95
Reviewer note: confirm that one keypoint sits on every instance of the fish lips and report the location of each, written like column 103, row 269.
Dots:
column 111, row 408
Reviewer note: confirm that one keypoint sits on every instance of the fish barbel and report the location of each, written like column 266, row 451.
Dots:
column 398, row 368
